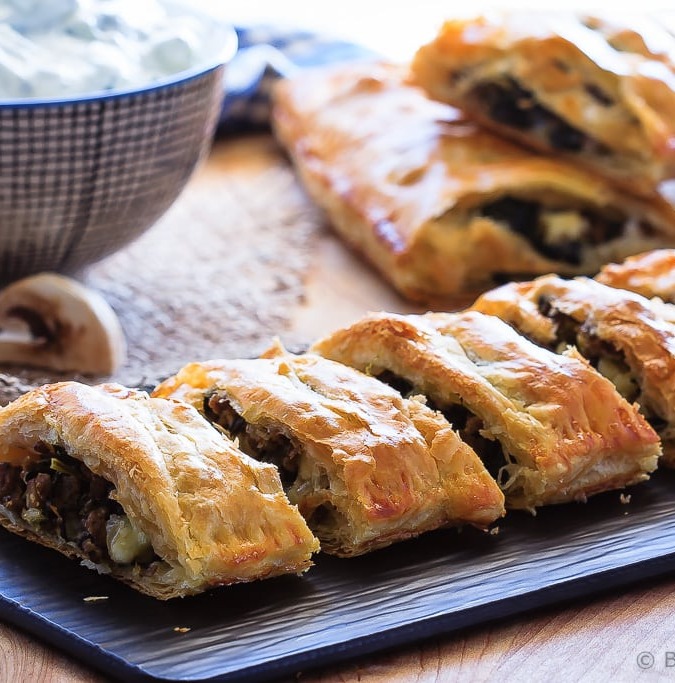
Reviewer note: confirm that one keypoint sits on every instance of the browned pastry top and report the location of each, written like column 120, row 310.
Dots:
column 212, row 514
column 624, row 320
column 394, row 467
column 414, row 185
column 650, row 274
column 611, row 79
column 560, row 421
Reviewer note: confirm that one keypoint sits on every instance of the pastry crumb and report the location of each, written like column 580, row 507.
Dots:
column 94, row 598
column 181, row 629
column 494, row 531
column 625, row 498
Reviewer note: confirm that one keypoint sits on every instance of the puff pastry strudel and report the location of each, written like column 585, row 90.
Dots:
column 365, row 467
column 144, row 490
column 624, row 335
column 439, row 205
column 597, row 92
column 550, row 427
column 650, row 274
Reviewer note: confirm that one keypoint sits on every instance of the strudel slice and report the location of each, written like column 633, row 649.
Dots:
column 624, row 335
column 365, row 467
column 651, row 274
column 145, row 490
column 598, row 92
column 439, row 205
column 549, row 427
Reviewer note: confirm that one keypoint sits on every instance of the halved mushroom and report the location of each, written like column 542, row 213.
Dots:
column 52, row 321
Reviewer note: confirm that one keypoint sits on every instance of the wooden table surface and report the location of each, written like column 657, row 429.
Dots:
column 617, row 637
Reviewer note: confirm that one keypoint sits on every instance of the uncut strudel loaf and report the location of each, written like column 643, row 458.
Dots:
column 440, row 205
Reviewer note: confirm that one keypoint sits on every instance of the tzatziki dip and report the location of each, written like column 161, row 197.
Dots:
column 58, row 48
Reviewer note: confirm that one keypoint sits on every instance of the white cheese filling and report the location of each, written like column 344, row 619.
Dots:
column 125, row 542
column 563, row 226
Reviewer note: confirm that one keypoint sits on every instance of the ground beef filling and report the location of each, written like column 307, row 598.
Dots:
column 572, row 332
column 264, row 443
column 468, row 425
column 61, row 497
column 603, row 356
column 559, row 235
column 508, row 103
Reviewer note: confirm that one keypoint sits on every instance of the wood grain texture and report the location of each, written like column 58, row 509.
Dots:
column 593, row 640
column 598, row 640
column 22, row 658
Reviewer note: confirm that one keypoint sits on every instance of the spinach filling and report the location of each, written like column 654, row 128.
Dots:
column 561, row 235
column 508, row 103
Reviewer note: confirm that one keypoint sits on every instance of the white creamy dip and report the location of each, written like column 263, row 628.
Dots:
column 57, row 48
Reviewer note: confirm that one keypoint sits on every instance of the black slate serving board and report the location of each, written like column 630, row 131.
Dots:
column 438, row 583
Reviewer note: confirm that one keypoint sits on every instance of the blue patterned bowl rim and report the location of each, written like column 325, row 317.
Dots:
column 223, row 56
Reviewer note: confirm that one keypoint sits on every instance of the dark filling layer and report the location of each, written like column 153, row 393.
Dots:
column 462, row 420
column 508, row 103
column 590, row 346
column 571, row 331
column 403, row 386
column 325, row 516
column 61, row 497
column 265, row 444
column 526, row 218
column 469, row 427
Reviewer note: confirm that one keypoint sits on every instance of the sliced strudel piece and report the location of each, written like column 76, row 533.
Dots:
column 439, row 205
column 597, row 92
column 365, row 467
column 622, row 334
column 651, row 274
column 550, row 427
column 144, row 490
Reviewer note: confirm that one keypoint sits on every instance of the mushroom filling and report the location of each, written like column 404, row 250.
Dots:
column 264, row 443
column 58, row 496
column 469, row 426
column 509, row 104
column 304, row 480
column 559, row 234
column 603, row 356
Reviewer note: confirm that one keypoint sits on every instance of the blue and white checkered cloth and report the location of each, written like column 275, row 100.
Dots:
column 265, row 54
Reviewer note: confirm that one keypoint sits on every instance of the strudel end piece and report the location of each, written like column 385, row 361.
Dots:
column 600, row 93
column 365, row 467
column 651, row 274
column 439, row 205
column 624, row 335
column 144, row 490
column 549, row 427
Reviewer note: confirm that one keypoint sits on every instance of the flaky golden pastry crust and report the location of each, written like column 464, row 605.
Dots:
column 621, row 332
column 213, row 515
column 601, row 93
column 564, row 431
column 649, row 274
column 439, row 205
column 364, row 466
